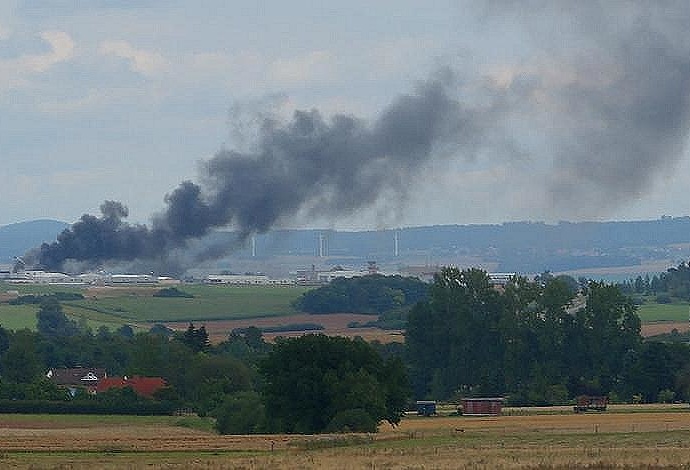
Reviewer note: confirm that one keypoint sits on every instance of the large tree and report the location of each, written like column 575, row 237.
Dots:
column 526, row 340
column 52, row 321
column 454, row 338
column 316, row 383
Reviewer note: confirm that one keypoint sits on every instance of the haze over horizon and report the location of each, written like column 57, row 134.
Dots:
column 540, row 112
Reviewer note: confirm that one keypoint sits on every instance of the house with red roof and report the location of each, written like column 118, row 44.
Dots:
column 144, row 386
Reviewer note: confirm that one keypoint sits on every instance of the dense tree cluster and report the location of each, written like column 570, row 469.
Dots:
column 667, row 286
column 200, row 377
column 316, row 383
column 233, row 381
column 374, row 294
column 536, row 343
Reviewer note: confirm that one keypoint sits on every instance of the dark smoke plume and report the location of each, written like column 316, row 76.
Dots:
column 599, row 105
column 325, row 167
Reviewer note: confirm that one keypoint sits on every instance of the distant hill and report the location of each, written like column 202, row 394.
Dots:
column 17, row 239
column 523, row 247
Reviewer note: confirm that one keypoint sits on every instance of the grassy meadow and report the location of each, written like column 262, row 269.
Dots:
column 675, row 312
column 647, row 438
column 115, row 306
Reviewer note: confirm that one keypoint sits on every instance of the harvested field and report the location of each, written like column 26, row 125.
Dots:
column 334, row 324
column 629, row 437
column 657, row 328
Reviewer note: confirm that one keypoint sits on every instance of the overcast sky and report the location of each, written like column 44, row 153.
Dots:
column 570, row 112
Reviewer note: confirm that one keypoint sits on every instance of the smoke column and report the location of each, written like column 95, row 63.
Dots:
column 595, row 110
column 325, row 167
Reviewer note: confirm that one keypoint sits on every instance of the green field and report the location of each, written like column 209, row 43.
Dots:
column 136, row 305
column 209, row 303
column 18, row 317
column 653, row 312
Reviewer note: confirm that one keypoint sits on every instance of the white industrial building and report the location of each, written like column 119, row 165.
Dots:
column 43, row 277
column 86, row 279
column 246, row 280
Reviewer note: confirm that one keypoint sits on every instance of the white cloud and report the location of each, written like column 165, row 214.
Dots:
column 16, row 72
column 62, row 49
column 141, row 61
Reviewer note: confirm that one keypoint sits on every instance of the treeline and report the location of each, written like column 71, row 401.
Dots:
column 674, row 284
column 337, row 384
column 33, row 299
column 537, row 344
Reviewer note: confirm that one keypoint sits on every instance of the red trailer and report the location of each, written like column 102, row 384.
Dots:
column 481, row 406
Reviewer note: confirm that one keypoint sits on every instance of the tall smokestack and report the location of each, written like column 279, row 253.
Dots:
column 395, row 244
column 323, row 245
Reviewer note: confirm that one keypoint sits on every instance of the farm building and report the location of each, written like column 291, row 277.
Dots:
column 75, row 378
column 590, row 403
column 481, row 406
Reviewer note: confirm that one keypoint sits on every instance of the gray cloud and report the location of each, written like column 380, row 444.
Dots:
column 614, row 88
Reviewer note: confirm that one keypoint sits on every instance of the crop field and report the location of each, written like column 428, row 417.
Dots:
column 222, row 308
column 333, row 324
column 623, row 438
column 136, row 306
column 663, row 318
column 209, row 303
column 219, row 308
column 18, row 317
column 653, row 312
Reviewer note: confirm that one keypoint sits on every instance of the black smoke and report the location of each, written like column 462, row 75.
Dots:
column 324, row 167
column 590, row 111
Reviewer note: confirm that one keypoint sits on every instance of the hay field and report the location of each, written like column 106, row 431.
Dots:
column 334, row 324
column 630, row 438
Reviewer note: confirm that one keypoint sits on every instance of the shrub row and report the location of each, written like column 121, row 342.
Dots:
column 85, row 407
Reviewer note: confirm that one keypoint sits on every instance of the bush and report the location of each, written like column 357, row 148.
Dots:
column 173, row 292
column 84, row 407
column 355, row 420
column 240, row 413
column 292, row 327
column 666, row 396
